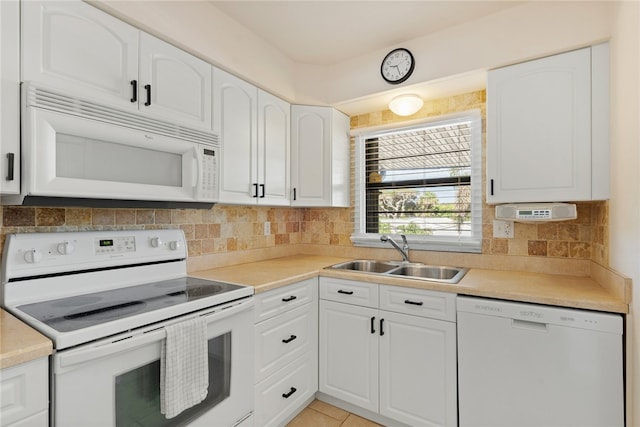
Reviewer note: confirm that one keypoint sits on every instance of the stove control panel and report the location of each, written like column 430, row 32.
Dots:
column 32, row 254
column 115, row 245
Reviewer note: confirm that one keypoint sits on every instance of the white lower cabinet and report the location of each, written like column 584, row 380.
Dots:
column 389, row 350
column 286, row 359
column 24, row 394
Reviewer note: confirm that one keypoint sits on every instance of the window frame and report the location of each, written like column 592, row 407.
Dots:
column 472, row 244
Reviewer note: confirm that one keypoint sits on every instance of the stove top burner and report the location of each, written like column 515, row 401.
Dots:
column 83, row 311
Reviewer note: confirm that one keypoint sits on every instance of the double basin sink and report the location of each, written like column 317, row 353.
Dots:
column 409, row 270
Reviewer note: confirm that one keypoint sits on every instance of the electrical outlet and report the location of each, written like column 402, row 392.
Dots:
column 267, row 228
column 502, row 229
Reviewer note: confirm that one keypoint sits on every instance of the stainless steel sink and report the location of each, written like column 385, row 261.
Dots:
column 367, row 266
column 430, row 272
column 410, row 270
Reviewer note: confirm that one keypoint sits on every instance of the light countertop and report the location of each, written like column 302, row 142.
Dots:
column 20, row 343
column 551, row 289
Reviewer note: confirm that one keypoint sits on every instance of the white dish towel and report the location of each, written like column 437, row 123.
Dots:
column 184, row 367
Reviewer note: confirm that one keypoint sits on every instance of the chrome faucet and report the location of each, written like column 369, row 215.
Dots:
column 404, row 250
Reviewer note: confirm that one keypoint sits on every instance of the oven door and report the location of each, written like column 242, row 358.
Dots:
column 72, row 156
column 116, row 382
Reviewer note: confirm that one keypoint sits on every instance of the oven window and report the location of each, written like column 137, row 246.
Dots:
column 138, row 391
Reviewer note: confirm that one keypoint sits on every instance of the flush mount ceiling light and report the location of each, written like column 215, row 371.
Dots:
column 406, row 105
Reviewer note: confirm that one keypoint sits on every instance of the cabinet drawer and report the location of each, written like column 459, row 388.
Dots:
column 418, row 302
column 24, row 390
column 277, row 301
column 349, row 291
column 281, row 394
column 282, row 339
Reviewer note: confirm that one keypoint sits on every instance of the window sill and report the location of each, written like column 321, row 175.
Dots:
column 418, row 244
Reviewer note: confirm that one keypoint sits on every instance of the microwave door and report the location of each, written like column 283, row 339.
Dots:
column 71, row 156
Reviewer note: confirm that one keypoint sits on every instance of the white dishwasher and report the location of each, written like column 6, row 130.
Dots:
column 534, row 365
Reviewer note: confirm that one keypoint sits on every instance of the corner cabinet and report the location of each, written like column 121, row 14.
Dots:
column 9, row 96
column 389, row 350
column 75, row 47
column 548, row 129
column 286, row 357
column 320, row 165
column 254, row 130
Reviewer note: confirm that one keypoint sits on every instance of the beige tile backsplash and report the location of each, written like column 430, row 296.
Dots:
column 226, row 229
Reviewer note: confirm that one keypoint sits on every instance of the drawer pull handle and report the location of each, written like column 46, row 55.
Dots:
column 288, row 340
column 288, row 395
column 373, row 325
column 408, row 301
column 291, row 298
column 340, row 291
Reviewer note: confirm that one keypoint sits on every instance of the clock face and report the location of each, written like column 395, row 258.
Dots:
column 397, row 66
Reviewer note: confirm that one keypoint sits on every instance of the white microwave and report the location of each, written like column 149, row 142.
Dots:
column 78, row 152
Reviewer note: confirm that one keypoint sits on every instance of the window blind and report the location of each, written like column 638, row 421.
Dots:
column 420, row 181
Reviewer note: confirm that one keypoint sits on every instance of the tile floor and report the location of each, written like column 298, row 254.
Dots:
column 320, row 414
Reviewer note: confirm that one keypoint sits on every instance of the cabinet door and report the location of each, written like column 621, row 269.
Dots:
column 539, row 130
column 10, row 97
column 348, row 359
column 273, row 150
column 234, row 120
column 75, row 47
column 311, row 155
column 24, row 390
column 418, row 370
column 174, row 84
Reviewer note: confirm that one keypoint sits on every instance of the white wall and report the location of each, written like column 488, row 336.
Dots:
column 513, row 35
column 200, row 28
column 624, row 210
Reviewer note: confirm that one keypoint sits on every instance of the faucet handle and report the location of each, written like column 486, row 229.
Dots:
column 404, row 240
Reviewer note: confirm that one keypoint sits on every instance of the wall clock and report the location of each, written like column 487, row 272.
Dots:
column 397, row 66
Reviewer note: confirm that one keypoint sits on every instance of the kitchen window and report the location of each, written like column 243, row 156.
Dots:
column 422, row 180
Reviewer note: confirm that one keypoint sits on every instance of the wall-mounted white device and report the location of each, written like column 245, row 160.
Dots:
column 537, row 212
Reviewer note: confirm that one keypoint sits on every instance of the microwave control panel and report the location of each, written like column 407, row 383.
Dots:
column 209, row 178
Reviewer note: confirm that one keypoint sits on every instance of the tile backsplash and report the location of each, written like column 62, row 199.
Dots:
column 233, row 229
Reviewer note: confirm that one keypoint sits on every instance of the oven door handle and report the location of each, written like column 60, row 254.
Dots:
column 75, row 357
column 142, row 337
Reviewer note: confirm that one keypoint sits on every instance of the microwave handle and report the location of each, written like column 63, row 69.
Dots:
column 196, row 173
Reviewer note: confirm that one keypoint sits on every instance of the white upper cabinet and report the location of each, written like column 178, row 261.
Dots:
column 235, row 121
column 547, row 129
column 274, row 146
column 320, row 166
column 77, row 48
column 175, row 84
column 74, row 47
column 254, row 129
column 9, row 97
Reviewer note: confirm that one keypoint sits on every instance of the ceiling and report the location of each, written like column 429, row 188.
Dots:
column 327, row 32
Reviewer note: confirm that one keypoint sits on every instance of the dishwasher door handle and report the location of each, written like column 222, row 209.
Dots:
column 532, row 326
